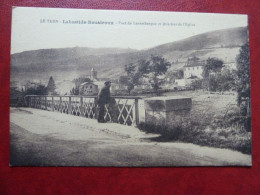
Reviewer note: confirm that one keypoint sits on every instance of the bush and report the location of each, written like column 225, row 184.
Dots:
column 196, row 84
column 229, row 131
column 232, row 119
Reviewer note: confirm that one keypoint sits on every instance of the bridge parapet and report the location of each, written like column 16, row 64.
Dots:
column 123, row 110
column 166, row 111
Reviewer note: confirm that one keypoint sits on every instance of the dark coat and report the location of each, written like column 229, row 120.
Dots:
column 103, row 96
column 113, row 110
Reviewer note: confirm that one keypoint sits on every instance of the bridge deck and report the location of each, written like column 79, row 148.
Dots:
column 40, row 137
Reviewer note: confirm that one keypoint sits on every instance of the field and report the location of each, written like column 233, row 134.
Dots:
column 215, row 120
column 208, row 104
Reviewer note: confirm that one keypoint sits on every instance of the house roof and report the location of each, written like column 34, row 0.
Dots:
column 89, row 83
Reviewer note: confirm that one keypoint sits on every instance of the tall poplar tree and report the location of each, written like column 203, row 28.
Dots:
column 243, row 74
column 51, row 87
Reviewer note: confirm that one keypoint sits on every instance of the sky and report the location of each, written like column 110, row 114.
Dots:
column 32, row 29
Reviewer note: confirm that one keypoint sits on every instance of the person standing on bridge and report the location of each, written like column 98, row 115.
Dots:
column 103, row 99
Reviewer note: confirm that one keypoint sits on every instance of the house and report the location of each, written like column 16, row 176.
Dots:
column 88, row 88
column 183, row 82
column 118, row 86
column 193, row 68
column 143, row 86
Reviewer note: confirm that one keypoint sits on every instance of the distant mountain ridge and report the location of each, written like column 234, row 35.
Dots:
column 68, row 63
column 65, row 53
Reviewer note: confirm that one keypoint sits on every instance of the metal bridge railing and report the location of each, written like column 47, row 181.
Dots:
column 123, row 110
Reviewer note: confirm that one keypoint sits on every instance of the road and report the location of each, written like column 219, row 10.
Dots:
column 43, row 138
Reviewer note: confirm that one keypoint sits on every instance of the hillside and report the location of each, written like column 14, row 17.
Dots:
column 68, row 63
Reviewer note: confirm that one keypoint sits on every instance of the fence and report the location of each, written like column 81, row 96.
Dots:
column 123, row 110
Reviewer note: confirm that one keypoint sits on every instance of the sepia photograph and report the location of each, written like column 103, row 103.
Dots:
column 117, row 88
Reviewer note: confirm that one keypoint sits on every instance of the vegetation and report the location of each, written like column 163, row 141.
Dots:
column 230, row 131
column 133, row 77
column 212, row 122
column 74, row 90
column 213, row 66
column 81, row 80
column 78, row 81
column 31, row 88
column 190, row 132
column 151, row 70
column 196, row 84
column 39, row 90
column 216, row 77
column 173, row 75
column 243, row 74
column 51, row 87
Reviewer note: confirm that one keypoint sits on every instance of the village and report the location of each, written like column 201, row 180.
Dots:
column 89, row 84
column 202, row 94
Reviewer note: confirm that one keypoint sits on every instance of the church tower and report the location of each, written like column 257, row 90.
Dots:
column 93, row 74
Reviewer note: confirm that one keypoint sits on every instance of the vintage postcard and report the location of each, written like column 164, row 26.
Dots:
column 129, row 88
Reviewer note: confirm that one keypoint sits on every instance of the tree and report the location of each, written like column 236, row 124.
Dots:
column 243, row 74
column 220, row 81
column 173, row 75
column 213, row 65
column 78, row 81
column 196, row 84
column 226, row 80
column 74, row 91
column 39, row 90
column 133, row 77
column 51, row 87
column 180, row 74
column 153, row 69
column 123, row 80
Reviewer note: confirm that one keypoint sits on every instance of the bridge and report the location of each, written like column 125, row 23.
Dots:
column 40, row 136
column 43, row 138
column 124, row 110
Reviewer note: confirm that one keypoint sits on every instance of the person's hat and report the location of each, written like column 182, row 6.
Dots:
column 107, row 82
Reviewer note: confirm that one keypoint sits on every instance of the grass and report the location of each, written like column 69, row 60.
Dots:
column 191, row 132
column 215, row 121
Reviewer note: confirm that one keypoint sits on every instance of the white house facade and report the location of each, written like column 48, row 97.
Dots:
column 194, row 69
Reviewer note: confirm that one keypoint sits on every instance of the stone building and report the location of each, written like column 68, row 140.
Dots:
column 88, row 89
column 194, row 68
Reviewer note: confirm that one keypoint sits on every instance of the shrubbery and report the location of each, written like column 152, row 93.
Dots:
column 221, row 81
column 231, row 131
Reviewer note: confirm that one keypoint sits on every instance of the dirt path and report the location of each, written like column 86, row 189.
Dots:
column 43, row 138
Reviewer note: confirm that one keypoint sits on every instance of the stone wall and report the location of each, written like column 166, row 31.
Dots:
column 166, row 111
